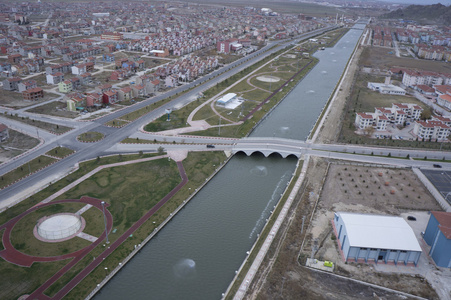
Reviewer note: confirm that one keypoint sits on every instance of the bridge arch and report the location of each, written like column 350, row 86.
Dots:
column 267, row 153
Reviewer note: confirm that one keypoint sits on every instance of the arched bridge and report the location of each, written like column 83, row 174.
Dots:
column 268, row 146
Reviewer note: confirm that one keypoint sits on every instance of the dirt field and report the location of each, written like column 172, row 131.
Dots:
column 15, row 99
column 282, row 277
column 54, row 108
column 17, row 144
column 378, row 57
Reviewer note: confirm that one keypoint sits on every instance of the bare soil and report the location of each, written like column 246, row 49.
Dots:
column 380, row 58
column 281, row 275
column 54, row 108
column 14, row 99
column 17, row 144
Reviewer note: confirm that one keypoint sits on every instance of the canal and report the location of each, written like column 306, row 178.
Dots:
column 196, row 254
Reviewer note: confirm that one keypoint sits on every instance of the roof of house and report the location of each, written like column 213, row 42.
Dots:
column 33, row 90
column 444, row 220
column 3, row 127
column 365, row 116
column 379, row 232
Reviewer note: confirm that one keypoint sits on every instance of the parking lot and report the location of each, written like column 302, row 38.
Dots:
column 441, row 180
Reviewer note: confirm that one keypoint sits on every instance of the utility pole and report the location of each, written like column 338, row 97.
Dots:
column 219, row 128
column 104, row 220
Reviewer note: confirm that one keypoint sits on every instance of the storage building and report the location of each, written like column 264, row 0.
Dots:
column 375, row 238
column 226, row 99
column 438, row 236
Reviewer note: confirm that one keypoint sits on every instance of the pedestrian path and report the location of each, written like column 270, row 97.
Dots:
column 87, row 237
column 83, row 209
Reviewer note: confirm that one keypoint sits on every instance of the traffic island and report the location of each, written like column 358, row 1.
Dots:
column 90, row 137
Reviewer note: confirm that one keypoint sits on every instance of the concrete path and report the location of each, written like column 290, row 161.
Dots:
column 87, row 237
column 83, row 209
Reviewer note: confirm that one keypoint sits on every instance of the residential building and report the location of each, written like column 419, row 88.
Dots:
column 110, row 97
column 431, row 130
column 125, row 93
column 65, row 86
column 26, row 85
column 55, row 78
column 33, row 94
column 444, row 101
column 11, row 84
column 364, row 120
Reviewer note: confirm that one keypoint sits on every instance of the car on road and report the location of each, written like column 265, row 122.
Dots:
column 411, row 218
column 210, row 146
column 437, row 166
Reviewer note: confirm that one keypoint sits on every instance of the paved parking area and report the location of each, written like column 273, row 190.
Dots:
column 441, row 179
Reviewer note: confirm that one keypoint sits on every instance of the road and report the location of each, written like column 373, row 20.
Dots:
column 113, row 136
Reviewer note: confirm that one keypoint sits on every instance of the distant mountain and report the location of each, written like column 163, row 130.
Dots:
column 436, row 13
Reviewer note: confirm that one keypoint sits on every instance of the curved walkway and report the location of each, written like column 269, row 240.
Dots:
column 12, row 255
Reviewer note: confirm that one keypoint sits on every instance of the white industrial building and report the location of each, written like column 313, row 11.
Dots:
column 376, row 238
column 226, row 99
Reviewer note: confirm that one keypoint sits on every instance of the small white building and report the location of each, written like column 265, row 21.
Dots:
column 388, row 89
column 375, row 238
column 226, row 99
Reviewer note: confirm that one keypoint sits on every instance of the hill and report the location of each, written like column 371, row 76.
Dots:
column 436, row 13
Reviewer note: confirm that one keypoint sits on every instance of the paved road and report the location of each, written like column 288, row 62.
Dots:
column 113, row 135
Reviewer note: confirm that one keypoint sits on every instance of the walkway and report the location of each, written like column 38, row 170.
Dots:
column 14, row 256
column 275, row 228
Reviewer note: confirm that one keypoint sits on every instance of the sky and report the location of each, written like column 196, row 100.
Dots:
column 422, row 2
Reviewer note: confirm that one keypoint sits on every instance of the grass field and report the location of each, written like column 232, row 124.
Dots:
column 60, row 152
column 25, row 170
column 54, row 128
column 23, row 239
column 378, row 57
column 90, row 136
column 198, row 166
column 123, row 120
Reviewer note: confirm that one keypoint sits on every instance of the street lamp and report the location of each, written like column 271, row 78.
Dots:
column 104, row 220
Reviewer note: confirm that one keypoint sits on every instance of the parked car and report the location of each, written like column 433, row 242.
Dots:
column 437, row 166
column 411, row 218
column 210, row 146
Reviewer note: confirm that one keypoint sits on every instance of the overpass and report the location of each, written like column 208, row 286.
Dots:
column 269, row 146
column 286, row 147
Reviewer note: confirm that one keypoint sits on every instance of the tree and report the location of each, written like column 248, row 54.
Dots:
column 426, row 114
column 368, row 131
column 160, row 150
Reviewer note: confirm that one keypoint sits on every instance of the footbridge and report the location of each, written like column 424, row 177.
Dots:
column 268, row 146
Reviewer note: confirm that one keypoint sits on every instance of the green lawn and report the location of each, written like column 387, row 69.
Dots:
column 91, row 136
column 23, row 239
column 25, row 170
column 54, row 128
column 178, row 118
column 60, row 152
column 198, row 166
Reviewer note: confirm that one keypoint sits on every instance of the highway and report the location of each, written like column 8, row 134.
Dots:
column 84, row 151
